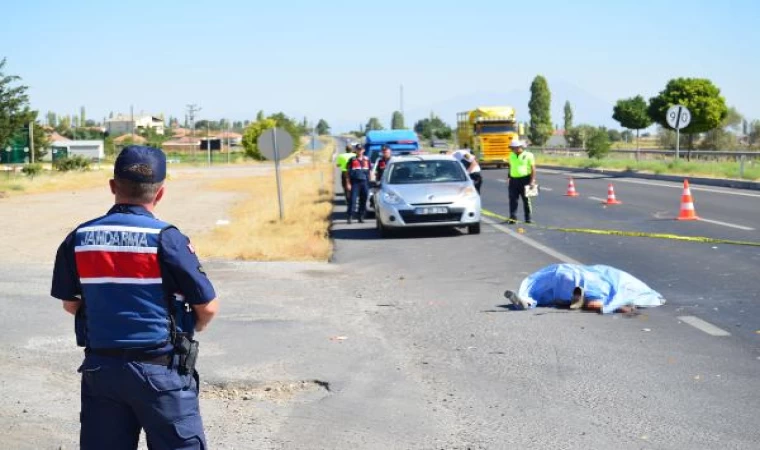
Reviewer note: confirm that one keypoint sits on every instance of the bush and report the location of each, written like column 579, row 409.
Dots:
column 32, row 170
column 598, row 144
column 72, row 163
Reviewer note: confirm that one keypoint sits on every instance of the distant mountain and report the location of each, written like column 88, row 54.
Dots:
column 587, row 108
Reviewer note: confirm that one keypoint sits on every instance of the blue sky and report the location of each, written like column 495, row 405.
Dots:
column 344, row 61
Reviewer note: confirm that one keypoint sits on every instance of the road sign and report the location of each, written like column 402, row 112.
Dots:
column 678, row 117
column 275, row 144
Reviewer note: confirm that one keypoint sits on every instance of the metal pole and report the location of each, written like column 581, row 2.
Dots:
column 678, row 143
column 277, row 169
column 31, row 140
column 228, row 143
column 208, row 141
column 741, row 166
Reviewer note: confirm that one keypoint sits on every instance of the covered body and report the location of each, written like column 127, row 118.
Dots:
column 615, row 288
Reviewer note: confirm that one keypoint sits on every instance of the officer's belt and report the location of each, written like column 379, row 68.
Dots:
column 132, row 355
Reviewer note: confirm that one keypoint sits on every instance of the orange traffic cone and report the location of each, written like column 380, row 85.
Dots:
column 687, row 204
column 611, row 200
column 571, row 192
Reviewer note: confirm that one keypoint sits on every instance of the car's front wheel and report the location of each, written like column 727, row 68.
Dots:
column 382, row 230
column 473, row 229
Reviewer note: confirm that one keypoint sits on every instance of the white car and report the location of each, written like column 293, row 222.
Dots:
column 426, row 191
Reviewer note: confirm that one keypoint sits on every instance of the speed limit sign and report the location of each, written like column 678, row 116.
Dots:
column 678, row 117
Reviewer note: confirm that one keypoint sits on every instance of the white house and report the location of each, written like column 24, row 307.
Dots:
column 122, row 124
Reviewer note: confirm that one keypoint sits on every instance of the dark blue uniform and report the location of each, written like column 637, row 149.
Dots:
column 358, row 172
column 136, row 278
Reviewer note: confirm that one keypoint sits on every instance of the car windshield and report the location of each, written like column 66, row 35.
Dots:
column 420, row 172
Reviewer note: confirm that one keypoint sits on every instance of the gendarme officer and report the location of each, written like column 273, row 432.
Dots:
column 138, row 293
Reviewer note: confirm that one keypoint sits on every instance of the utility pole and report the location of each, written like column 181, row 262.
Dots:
column 132, row 121
column 191, row 110
column 208, row 141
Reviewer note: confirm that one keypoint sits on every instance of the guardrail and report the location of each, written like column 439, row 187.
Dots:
column 699, row 154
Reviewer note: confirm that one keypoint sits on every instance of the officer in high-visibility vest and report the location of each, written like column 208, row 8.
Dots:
column 138, row 294
column 342, row 163
column 522, row 173
column 358, row 182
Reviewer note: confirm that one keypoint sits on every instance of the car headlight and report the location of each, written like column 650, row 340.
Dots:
column 392, row 198
column 468, row 191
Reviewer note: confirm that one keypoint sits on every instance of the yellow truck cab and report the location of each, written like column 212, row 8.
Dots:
column 488, row 131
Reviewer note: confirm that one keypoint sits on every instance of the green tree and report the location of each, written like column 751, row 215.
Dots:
column 708, row 108
column 433, row 127
column 323, row 128
column 373, row 124
column 540, row 111
column 754, row 132
column 598, row 145
column 632, row 114
column 82, row 117
column 14, row 106
column 724, row 137
column 51, row 119
column 259, row 116
column 290, row 125
column 251, row 137
column 64, row 123
column 614, row 135
column 397, row 121
column 568, row 116
column 578, row 136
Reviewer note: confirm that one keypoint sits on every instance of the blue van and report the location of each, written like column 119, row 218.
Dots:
column 401, row 142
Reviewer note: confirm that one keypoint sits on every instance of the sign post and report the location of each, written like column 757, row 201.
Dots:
column 275, row 144
column 678, row 117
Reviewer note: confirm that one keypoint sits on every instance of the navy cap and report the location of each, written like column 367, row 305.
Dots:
column 140, row 164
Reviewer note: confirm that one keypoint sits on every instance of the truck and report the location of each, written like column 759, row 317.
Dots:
column 487, row 131
column 401, row 142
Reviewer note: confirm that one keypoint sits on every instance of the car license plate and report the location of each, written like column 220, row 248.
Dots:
column 432, row 210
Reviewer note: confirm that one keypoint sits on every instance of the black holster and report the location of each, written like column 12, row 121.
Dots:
column 80, row 326
column 187, row 350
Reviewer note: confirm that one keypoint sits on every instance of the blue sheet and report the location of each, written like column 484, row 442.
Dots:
column 554, row 285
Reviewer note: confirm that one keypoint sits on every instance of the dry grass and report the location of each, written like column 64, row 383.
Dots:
column 255, row 231
column 18, row 184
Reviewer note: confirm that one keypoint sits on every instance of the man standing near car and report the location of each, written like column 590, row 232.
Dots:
column 381, row 164
column 359, row 168
column 522, row 173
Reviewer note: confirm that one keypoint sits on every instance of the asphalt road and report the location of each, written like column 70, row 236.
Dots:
column 715, row 282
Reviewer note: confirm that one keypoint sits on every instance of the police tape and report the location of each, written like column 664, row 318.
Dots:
column 675, row 237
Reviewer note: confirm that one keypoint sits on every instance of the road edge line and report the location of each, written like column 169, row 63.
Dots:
column 526, row 240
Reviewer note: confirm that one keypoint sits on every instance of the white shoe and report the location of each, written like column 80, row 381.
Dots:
column 517, row 301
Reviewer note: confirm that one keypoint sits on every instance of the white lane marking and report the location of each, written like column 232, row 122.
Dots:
column 653, row 183
column 702, row 325
column 526, row 240
column 597, row 199
column 726, row 224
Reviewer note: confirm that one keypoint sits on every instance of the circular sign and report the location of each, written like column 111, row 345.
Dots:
column 678, row 117
column 278, row 137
